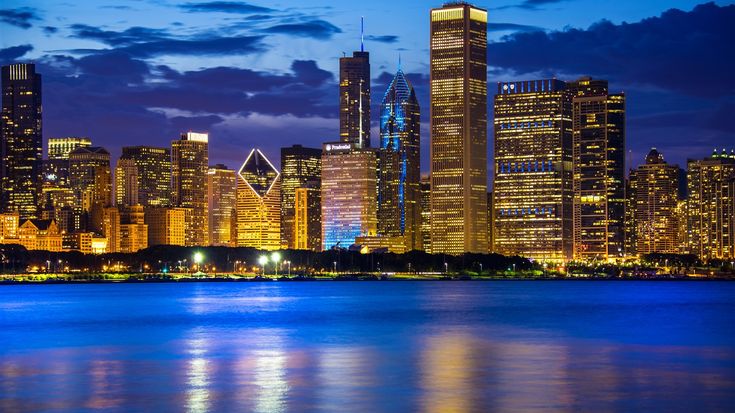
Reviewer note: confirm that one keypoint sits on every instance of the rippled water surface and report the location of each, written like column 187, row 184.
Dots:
column 369, row 347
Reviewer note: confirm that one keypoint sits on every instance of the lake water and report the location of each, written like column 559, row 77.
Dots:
column 506, row 346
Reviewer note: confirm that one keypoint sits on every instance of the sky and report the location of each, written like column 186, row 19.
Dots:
column 264, row 74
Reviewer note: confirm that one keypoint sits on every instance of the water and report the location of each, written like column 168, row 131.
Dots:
column 369, row 347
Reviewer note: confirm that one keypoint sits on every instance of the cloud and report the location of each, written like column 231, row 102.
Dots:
column 50, row 29
column 655, row 52
column 149, row 42
column 236, row 7
column 504, row 27
column 9, row 54
column 388, row 38
column 530, row 4
column 21, row 17
column 317, row 29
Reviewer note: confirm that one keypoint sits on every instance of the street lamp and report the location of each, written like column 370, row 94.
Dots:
column 480, row 269
column 289, row 267
column 335, row 266
column 275, row 257
column 198, row 258
column 262, row 261
column 446, row 267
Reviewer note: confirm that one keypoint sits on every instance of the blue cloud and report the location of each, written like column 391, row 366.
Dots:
column 236, row 7
column 10, row 54
column 21, row 17
column 317, row 29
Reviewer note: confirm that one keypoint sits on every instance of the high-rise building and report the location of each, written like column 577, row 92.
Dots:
column 126, row 182
column 90, row 180
column 221, row 186
column 399, row 195
column 300, row 168
column 307, row 222
column 9, row 224
column 133, row 229
column 154, row 173
column 354, row 98
column 349, row 194
column 111, row 228
column 711, row 206
column 189, row 166
column 425, row 186
column 21, row 157
column 533, row 189
column 490, row 223
column 258, row 203
column 458, row 129
column 598, row 122
column 56, row 167
column 654, row 190
column 166, row 225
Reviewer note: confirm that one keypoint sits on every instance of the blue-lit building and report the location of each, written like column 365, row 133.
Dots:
column 399, row 194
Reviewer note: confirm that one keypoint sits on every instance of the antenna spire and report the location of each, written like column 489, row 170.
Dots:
column 362, row 33
column 399, row 61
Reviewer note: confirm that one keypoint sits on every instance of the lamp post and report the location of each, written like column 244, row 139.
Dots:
column 480, row 269
column 446, row 267
column 198, row 258
column 262, row 261
column 335, row 267
column 289, row 267
column 275, row 257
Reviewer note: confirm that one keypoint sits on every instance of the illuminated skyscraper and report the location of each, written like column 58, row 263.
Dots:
column 56, row 167
column 21, row 158
column 533, row 190
column 154, row 173
column 655, row 186
column 166, row 225
column 425, row 186
column 300, row 168
column 307, row 222
column 258, row 203
column 354, row 98
column 90, row 181
column 458, row 129
column 189, row 166
column 399, row 197
column 349, row 194
column 599, row 170
column 221, row 185
column 711, row 206
column 126, row 182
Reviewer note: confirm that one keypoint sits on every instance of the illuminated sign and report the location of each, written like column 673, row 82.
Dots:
column 337, row 147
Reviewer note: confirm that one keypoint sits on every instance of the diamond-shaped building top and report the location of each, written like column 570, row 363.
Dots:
column 258, row 172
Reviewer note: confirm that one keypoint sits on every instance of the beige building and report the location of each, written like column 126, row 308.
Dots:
column 221, row 184
column 189, row 167
column 458, row 48
column 166, row 226
column 307, row 219
column 9, row 224
column 258, row 203
column 40, row 234
column 126, row 182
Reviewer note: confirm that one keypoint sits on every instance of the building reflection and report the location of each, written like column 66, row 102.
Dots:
column 198, row 373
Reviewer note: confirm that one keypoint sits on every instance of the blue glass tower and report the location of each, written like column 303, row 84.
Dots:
column 399, row 212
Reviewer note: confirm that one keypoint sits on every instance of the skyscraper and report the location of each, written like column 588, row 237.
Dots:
column 189, row 166
column 349, row 198
column 458, row 129
column 56, row 167
column 90, row 181
column 599, row 170
column 21, row 158
column 307, row 222
column 533, row 190
column 399, row 196
column 300, row 168
column 425, row 186
column 354, row 98
column 126, row 182
column 711, row 206
column 221, row 184
column 258, row 203
column 154, row 173
column 655, row 187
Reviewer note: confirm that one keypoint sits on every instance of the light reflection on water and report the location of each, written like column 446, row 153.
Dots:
column 369, row 347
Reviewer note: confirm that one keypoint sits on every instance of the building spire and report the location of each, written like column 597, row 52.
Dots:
column 362, row 33
column 399, row 61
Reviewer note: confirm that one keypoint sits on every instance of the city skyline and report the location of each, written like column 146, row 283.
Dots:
column 165, row 96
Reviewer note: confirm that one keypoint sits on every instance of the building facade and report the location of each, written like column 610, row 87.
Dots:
column 126, row 182
column 654, row 190
column 399, row 170
column 458, row 129
column 258, row 203
column 166, row 225
column 425, row 188
column 90, row 181
column 21, row 147
column 301, row 168
column 598, row 121
column 56, row 167
column 711, row 206
column 221, row 186
column 533, row 192
column 189, row 166
column 354, row 99
column 154, row 173
column 349, row 194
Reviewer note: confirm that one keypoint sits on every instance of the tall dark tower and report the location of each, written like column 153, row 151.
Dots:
column 399, row 195
column 21, row 157
column 354, row 98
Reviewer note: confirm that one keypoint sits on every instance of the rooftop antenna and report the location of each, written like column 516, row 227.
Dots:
column 399, row 61
column 362, row 33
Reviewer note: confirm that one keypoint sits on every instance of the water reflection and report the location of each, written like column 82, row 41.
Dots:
column 270, row 378
column 198, row 372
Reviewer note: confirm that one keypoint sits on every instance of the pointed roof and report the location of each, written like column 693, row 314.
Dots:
column 258, row 172
column 399, row 89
